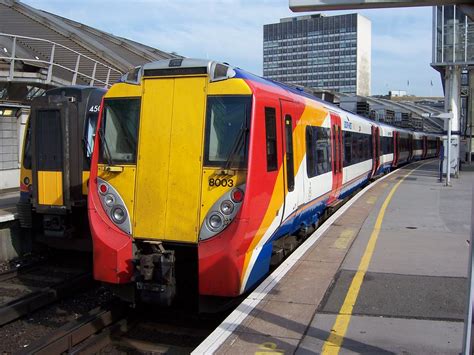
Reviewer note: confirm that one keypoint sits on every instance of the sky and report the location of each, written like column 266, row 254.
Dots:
column 232, row 31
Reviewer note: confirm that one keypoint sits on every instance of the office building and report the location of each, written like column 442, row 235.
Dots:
column 322, row 52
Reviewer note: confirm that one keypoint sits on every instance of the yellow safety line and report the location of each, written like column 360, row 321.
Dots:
column 332, row 345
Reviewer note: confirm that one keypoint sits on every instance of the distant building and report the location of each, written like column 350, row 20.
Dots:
column 321, row 52
column 397, row 93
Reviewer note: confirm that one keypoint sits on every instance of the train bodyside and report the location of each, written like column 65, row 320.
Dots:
column 55, row 165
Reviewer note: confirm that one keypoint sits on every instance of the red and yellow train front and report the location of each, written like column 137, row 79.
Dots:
column 168, row 180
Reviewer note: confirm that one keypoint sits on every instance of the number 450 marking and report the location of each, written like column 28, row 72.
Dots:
column 94, row 108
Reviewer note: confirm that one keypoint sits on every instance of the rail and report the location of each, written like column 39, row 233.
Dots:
column 51, row 63
column 37, row 297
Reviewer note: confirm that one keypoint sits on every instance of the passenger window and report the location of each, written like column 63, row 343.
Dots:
column 323, row 150
column 310, row 152
column 270, row 131
column 290, row 175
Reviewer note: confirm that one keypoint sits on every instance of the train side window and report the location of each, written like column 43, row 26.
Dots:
column 270, row 131
column 290, row 175
column 323, row 150
column 311, row 137
column 347, row 148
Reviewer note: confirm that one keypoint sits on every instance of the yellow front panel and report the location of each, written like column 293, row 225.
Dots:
column 213, row 190
column 50, row 188
column 85, row 180
column 122, row 181
column 169, row 164
column 153, row 159
column 185, row 169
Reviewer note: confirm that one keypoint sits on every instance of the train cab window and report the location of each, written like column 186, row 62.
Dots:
column 290, row 173
column 88, row 139
column 227, row 128
column 27, row 149
column 119, row 131
column 271, row 140
column 48, row 142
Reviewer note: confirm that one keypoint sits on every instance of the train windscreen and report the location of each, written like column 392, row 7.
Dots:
column 119, row 131
column 227, row 128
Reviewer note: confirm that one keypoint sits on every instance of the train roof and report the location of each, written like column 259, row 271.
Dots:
column 221, row 71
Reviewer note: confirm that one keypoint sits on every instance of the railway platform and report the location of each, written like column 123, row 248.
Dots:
column 8, row 202
column 386, row 274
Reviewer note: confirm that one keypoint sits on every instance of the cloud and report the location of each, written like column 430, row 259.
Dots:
column 232, row 31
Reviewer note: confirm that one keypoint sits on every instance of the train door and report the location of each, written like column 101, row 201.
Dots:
column 375, row 149
column 395, row 149
column 287, row 121
column 337, row 158
column 52, row 127
column 410, row 146
column 425, row 147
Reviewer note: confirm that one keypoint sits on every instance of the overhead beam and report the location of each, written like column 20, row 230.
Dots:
column 322, row 5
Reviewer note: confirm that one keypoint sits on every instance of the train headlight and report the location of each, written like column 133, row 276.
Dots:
column 118, row 214
column 215, row 221
column 114, row 205
column 109, row 200
column 227, row 207
column 222, row 213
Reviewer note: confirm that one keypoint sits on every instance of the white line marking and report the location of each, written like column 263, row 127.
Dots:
column 225, row 329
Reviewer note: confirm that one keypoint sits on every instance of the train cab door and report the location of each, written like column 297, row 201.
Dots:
column 287, row 124
column 52, row 150
column 337, row 158
column 375, row 149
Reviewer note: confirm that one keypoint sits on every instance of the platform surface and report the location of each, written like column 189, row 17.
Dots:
column 8, row 202
column 411, row 294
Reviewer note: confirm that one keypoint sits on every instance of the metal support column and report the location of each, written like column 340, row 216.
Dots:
column 452, row 105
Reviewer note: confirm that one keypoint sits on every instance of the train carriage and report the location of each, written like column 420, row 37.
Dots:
column 387, row 145
column 55, row 167
column 206, row 175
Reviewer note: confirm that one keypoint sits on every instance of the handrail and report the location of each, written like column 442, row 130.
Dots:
column 50, row 64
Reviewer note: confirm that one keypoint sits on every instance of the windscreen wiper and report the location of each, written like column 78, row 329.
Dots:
column 237, row 145
column 108, row 156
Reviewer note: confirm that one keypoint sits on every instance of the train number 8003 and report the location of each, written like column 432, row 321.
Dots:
column 221, row 182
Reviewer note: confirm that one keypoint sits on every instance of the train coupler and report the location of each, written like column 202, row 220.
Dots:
column 155, row 274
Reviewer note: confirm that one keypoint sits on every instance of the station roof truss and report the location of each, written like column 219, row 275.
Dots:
column 40, row 50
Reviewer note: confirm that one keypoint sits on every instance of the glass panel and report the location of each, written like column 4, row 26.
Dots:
column 48, row 142
column 27, row 152
column 270, row 130
column 227, row 121
column 290, row 175
column 88, row 139
column 119, row 131
column 323, row 150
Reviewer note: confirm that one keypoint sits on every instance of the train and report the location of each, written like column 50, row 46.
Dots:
column 204, row 176
column 57, row 151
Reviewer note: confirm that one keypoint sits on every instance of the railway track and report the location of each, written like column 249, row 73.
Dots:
column 26, row 289
column 118, row 328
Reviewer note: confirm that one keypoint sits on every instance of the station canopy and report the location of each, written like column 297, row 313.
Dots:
column 40, row 50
